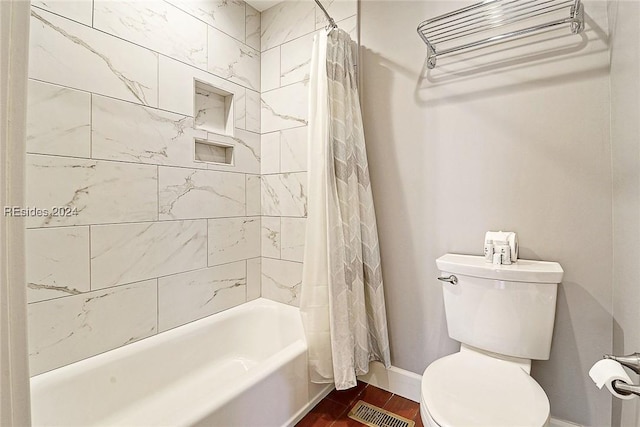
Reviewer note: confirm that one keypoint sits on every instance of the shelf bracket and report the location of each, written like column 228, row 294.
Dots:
column 577, row 12
column 431, row 56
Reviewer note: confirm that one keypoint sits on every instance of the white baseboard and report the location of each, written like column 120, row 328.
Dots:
column 407, row 384
column 394, row 380
column 555, row 422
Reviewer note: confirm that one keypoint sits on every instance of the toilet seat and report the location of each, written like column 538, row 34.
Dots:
column 470, row 389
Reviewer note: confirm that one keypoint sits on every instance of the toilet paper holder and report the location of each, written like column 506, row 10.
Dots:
column 624, row 388
column 631, row 361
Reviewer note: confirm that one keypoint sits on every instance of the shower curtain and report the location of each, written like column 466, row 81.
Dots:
column 342, row 301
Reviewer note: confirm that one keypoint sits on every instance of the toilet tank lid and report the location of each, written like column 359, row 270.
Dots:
column 521, row 271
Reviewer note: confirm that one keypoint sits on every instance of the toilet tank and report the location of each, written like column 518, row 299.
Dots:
column 504, row 309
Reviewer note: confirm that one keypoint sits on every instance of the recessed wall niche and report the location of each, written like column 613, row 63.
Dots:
column 213, row 152
column 213, row 109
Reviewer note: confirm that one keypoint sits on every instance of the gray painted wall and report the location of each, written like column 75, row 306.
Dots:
column 625, row 140
column 516, row 140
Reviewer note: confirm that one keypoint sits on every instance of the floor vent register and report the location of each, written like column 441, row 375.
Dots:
column 373, row 416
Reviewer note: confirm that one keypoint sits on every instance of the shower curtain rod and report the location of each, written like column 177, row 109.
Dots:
column 332, row 23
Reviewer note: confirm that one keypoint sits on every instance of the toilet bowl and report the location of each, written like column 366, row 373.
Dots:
column 503, row 316
column 472, row 389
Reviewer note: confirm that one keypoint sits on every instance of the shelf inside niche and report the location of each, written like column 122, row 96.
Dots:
column 213, row 152
column 213, row 109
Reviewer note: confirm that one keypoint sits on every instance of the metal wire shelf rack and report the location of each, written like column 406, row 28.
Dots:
column 495, row 21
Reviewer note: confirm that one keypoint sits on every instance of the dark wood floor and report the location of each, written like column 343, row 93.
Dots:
column 334, row 409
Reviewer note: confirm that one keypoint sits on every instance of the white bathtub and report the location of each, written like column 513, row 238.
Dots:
column 244, row 367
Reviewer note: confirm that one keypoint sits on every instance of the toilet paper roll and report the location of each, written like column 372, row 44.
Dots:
column 605, row 372
column 505, row 236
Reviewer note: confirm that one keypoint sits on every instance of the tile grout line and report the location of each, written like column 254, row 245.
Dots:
column 246, row 280
column 244, row 21
column 208, row 56
column 305, row 82
column 280, row 67
column 280, row 245
column 90, row 272
column 146, row 222
column 157, row 306
column 144, row 280
column 157, row 194
column 158, row 82
column 90, row 125
column 139, row 104
column 129, row 162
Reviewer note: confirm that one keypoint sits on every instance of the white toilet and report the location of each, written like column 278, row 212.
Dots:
column 503, row 316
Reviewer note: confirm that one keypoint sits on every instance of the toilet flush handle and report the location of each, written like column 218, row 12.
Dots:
column 451, row 279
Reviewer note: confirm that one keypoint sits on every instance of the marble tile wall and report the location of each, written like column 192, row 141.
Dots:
column 157, row 239
column 146, row 238
column 287, row 32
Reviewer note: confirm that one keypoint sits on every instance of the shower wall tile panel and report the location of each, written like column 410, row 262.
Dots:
column 240, row 107
column 233, row 60
column 227, row 16
column 188, row 193
column 293, row 150
column 254, row 272
column 270, row 236
column 100, row 192
column 58, row 262
column 65, row 330
column 59, row 120
column 292, row 238
column 233, row 239
column 281, row 280
column 285, row 107
column 284, row 194
column 287, row 21
column 296, row 60
column 185, row 297
column 124, row 253
column 156, row 25
column 253, row 111
column 270, row 69
column 111, row 132
column 110, row 66
column 252, row 27
column 254, row 195
column 270, row 153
